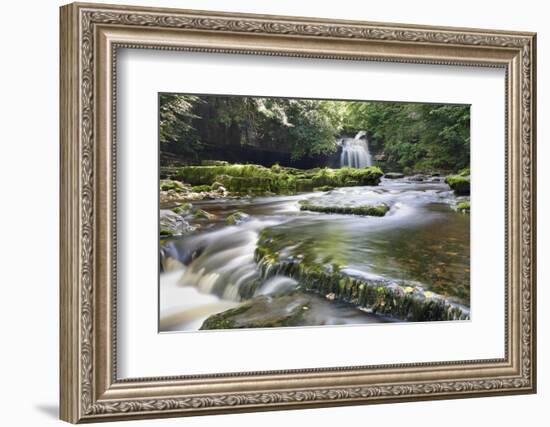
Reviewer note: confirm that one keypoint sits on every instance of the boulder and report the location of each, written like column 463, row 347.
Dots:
column 363, row 210
column 237, row 218
column 172, row 224
column 459, row 184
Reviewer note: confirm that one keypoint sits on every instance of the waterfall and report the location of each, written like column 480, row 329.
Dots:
column 355, row 151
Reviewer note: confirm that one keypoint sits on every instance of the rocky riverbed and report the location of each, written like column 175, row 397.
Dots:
column 264, row 253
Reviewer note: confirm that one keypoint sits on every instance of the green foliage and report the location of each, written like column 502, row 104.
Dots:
column 314, row 127
column 176, row 115
column 413, row 137
column 421, row 137
column 307, row 127
column 464, row 172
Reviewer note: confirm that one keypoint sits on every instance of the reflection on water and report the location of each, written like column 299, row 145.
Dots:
column 421, row 239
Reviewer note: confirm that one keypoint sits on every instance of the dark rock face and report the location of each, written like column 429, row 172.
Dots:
column 173, row 153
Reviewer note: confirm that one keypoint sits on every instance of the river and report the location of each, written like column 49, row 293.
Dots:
column 421, row 241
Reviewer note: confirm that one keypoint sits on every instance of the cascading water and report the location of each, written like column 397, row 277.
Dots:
column 355, row 151
column 216, row 268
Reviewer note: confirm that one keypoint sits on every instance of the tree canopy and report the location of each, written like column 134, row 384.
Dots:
column 409, row 135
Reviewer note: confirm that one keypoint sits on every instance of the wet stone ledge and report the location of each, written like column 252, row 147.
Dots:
column 408, row 303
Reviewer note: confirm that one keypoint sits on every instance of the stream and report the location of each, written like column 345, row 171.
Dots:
column 421, row 241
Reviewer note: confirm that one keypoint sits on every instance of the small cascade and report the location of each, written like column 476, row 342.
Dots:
column 355, row 151
column 221, row 262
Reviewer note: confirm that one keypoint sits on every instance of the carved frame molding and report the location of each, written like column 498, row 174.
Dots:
column 90, row 37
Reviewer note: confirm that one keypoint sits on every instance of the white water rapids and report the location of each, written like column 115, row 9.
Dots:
column 207, row 272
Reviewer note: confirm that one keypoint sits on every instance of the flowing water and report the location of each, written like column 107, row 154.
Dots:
column 355, row 151
column 421, row 240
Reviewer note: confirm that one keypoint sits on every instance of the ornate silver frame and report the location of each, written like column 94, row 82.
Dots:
column 90, row 36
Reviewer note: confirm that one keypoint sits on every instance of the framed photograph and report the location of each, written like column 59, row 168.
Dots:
column 267, row 212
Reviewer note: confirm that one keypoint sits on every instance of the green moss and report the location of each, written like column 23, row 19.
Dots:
column 236, row 218
column 304, row 184
column 183, row 209
column 406, row 301
column 459, row 184
column 276, row 168
column 363, row 210
column 166, row 232
column 201, row 214
column 463, row 207
column 224, row 320
column 206, row 175
column 172, row 185
column 277, row 179
column 347, row 177
column 246, row 185
column 262, row 312
column 464, row 172
column 201, row 188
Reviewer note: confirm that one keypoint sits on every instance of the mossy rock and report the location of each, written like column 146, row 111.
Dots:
column 459, row 184
column 404, row 301
column 276, row 168
column 464, row 172
column 263, row 312
column 167, row 232
column 304, row 185
column 247, row 185
column 206, row 175
column 183, row 209
column 363, row 210
column 463, row 207
column 167, row 185
column 277, row 179
column 237, row 218
column 202, row 214
column 201, row 188
column 216, row 186
column 347, row 177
